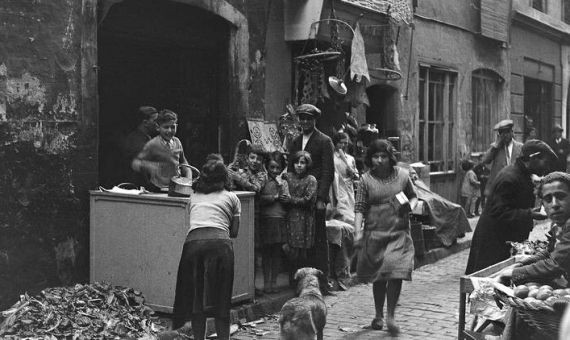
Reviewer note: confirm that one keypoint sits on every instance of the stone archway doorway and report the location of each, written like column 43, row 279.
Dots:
column 180, row 55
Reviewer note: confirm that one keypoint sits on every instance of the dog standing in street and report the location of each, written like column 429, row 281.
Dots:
column 304, row 317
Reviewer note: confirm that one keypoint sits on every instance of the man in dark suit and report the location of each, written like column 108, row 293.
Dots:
column 561, row 146
column 509, row 212
column 321, row 148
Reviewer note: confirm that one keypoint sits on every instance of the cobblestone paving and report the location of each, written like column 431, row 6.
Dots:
column 428, row 308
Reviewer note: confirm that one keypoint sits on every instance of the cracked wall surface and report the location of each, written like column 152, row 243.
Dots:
column 48, row 156
column 48, row 136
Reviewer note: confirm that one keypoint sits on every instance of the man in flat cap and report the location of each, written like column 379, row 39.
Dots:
column 321, row 148
column 561, row 146
column 509, row 212
column 504, row 151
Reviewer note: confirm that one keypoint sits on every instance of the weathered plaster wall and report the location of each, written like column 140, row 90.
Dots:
column 442, row 39
column 463, row 14
column 48, row 131
column 278, row 80
column 464, row 53
column 47, row 152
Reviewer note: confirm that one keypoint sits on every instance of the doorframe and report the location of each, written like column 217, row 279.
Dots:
column 237, row 67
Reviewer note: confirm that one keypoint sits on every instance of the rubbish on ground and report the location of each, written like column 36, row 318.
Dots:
column 348, row 329
column 233, row 328
column 83, row 311
column 253, row 323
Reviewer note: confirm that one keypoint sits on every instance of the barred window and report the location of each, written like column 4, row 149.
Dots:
column 437, row 107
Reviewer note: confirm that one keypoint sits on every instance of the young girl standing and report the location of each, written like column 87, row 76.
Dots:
column 273, row 219
column 252, row 178
column 301, row 217
column 469, row 188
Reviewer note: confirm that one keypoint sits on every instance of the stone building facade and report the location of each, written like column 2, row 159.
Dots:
column 73, row 72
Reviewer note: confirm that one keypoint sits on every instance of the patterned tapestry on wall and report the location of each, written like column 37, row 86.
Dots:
column 265, row 134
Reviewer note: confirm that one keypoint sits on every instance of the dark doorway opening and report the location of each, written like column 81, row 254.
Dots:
column 383, row 109
column 538, row 106
column 164, row 54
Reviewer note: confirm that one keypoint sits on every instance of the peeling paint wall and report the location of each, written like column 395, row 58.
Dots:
column 48, row 136
column 446, row 35
column 48, row 157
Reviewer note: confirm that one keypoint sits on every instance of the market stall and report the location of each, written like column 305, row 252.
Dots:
column 531, row 310
column 466, row 287
column 136, row 241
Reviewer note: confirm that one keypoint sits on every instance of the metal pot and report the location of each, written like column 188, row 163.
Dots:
column 180, row 187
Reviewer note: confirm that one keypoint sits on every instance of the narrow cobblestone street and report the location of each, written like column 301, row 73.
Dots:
column 428, row 307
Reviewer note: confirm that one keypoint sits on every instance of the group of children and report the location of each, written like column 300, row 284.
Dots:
column 284, row 208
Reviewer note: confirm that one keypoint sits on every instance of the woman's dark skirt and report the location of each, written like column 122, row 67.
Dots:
column 205, row 280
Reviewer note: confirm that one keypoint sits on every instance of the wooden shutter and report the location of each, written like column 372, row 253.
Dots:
column 495, row 19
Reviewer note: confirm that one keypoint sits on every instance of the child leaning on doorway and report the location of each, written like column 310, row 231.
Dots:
column 470, row 188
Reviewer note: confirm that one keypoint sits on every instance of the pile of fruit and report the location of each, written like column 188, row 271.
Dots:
column 538, row 295
column 528, row 247
column 89, row 311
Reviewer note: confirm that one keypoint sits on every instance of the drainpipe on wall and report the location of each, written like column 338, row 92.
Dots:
column 565, row 61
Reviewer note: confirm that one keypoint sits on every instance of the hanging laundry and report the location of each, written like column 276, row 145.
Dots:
column 358, row 66
column 357, row 94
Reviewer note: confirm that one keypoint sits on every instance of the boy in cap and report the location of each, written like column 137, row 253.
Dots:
column 504, row 151
column 509, row 212
column 561, row 147
column 321, row 148
column 162, row 157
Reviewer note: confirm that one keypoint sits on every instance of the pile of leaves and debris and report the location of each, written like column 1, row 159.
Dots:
column 84, row 311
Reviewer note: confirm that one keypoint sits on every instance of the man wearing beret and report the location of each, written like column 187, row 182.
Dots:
column 561, row 146
column 321, row 148
column 509, row 213
column 504, row 151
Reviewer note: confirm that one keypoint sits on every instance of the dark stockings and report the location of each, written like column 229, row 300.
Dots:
column 389, row 291
column 271, row 257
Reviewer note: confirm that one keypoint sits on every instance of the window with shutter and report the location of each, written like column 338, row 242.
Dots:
column 495, row 19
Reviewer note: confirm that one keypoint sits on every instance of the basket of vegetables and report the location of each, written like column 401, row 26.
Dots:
column 540, row 306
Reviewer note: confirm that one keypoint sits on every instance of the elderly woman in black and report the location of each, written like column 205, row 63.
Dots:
column 206, row 270
column 384, row 198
